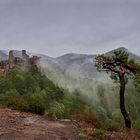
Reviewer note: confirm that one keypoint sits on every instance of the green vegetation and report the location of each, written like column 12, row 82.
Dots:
column 32, row 91
column 97, row 134
column 120, row 69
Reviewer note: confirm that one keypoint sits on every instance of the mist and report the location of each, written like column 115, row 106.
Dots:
column 97, row 92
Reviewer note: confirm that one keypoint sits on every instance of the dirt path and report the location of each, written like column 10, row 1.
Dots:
column 16, row 125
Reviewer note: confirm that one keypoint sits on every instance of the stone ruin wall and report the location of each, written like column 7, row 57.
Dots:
column 23, row 63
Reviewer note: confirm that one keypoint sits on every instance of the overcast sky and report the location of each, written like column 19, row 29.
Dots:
column 56, row 27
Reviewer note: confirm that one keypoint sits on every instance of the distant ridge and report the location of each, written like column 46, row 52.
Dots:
column 131, row 55
column 81, row 65
column 118, row 49
column 121, row 48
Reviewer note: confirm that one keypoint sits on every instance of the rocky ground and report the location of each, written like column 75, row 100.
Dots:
column 16, row 125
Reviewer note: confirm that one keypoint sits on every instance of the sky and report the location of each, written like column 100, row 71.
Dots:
column 57, row 27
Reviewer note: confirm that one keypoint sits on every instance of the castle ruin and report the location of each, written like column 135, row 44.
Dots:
column 23, row 63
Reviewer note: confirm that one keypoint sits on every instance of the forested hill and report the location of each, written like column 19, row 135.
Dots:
column 80, row 65
column 92, row 105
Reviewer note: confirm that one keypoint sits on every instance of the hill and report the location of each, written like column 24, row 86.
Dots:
column 83, row 65
column 92, row 103
column 79, row 65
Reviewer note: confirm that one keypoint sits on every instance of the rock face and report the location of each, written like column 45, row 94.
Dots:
column 24, row 62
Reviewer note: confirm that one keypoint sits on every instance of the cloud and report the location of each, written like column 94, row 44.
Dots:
column 56, row 27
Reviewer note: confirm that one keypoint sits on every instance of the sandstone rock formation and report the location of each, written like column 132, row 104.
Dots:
column 24, row 62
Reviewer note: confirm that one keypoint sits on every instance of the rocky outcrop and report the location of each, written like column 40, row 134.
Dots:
column 24, row 62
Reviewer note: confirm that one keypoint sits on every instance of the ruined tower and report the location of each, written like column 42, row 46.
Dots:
column 11, row 60
column 25, row 58
column 36, row 62
column 22, row 63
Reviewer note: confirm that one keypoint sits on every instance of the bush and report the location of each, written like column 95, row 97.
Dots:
column 117, row 116
column 56, row 110
column 102, row 113
column 94, row 133
column 98, row 134
column 68, row 102
column 136, row 124
column 5, row 85
column 82, row 135
column 88, row 118
column 17, row 103
column 110, row 125
column 28, row 104
column 35, row 105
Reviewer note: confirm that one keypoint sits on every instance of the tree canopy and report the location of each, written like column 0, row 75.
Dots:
column 121, row 69
column 115, row 64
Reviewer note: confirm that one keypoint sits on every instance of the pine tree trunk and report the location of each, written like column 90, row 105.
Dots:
column 122, row 102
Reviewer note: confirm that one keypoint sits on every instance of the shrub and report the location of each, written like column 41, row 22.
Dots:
column 98, row 134
column 82, row 135
column 88, row 118
column 110, row 125
column 94, row 133
column 27, row 104
column 102, row 113
column 137, row 124
column 5, row 85
column 56, row 110
column 35, row 105
column 117, row 116
column 17, row 103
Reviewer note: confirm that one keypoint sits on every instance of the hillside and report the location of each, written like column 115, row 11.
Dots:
column 91, row 104
column 83, row 65
column 77, row 71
